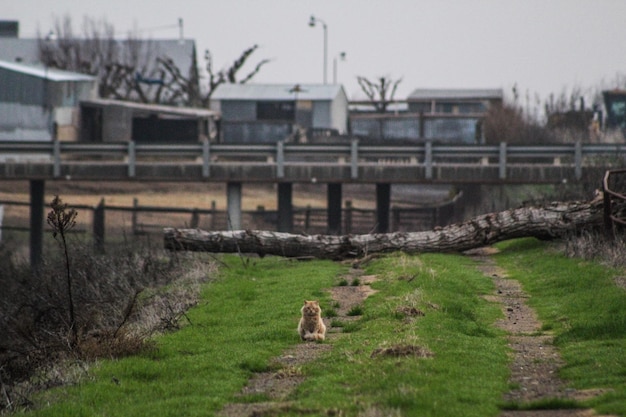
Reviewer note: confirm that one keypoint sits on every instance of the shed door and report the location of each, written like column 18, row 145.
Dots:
column 91, row 124
column 304, row 113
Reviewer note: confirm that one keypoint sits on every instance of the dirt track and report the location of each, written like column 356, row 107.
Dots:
column 535, row 359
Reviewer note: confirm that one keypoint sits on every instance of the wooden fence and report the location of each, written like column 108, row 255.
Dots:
column 104, row 219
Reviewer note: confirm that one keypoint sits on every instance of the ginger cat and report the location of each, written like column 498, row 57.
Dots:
column 311, row 326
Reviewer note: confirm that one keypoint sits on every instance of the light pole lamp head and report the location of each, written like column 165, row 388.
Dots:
column 51, row 36
column 312, row 21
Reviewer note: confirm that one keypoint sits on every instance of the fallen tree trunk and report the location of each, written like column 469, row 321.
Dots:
column 545, row 222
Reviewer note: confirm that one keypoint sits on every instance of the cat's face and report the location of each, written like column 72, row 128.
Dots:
column 311, row 308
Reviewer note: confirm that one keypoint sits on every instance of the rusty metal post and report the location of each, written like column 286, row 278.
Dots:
column 608, row 221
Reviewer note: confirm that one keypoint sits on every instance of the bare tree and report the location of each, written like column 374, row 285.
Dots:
column 129, row 69
column 380, row 93
column 132, row 69
column 229, row 75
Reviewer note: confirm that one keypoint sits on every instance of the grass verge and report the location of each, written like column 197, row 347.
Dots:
column 448, row 360
column 247, row 316
column 581, row 304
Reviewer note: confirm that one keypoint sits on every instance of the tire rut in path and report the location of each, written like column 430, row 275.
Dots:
column 536, row 361
column 275, row 386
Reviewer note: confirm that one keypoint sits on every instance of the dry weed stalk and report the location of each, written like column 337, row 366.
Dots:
column 62, row 219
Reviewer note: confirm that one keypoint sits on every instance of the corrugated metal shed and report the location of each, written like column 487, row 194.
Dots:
column 40, row 86
column 456, row 94
column 26, row 51
column 38, row 103
column 51, row 74
column 270, row 112
column 277, row 92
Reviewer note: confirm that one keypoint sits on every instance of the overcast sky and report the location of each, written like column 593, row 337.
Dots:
column 543, row 46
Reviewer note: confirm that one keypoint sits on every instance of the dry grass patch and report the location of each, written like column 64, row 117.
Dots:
column 403, row 350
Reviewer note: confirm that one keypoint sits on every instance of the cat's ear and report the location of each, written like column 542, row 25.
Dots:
column 305, row 301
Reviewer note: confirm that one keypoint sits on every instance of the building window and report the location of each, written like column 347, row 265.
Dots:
column 275, row 110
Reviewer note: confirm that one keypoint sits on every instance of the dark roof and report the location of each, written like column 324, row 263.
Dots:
column 154, row 108
column 422, row 94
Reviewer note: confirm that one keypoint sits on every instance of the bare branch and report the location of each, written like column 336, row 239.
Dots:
column 255, row 71
column 378, row 93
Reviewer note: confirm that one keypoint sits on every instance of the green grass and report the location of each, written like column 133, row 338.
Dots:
column 246, row 318
column 579, row 302
column 249, row 315
column 467, row 373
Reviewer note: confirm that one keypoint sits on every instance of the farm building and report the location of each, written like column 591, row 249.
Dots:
column 453, row 101
column 141, row 55
column 122, row 121
column 269, row 113
column 440, row 115
column 40, row 103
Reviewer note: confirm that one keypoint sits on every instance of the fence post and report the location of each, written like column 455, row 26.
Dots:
column 578, row 160
column 348, row 217
column 307, row 218
column 502, row 161
column 37, row 192
column 134, row 225
column 428, row 159
column 98, row 227
column 280, row 159
column 206, row 159
column 354, row 159
column 213, row 214
column 131, row 159
column 195, row 219
column 395, row 218
column 56, row 148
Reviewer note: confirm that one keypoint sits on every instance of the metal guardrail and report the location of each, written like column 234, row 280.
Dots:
column 427, row 154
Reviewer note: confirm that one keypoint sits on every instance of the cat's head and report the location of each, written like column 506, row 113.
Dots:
column 311, row 308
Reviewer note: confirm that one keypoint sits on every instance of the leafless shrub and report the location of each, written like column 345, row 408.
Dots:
column 597, row 247
column 507, row 123
column 120, row 299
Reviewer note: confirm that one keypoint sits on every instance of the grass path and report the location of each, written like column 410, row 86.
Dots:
column 424, row 344
column 534, row 381
column 571, row 354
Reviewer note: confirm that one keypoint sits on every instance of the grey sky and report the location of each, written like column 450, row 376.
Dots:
column 545, row 46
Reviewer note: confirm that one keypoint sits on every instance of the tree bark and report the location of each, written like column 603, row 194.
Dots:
column 554, row 220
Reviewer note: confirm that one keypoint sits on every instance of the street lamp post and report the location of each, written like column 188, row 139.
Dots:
column 50, row 38
column 312, row 23
column 341, row 56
